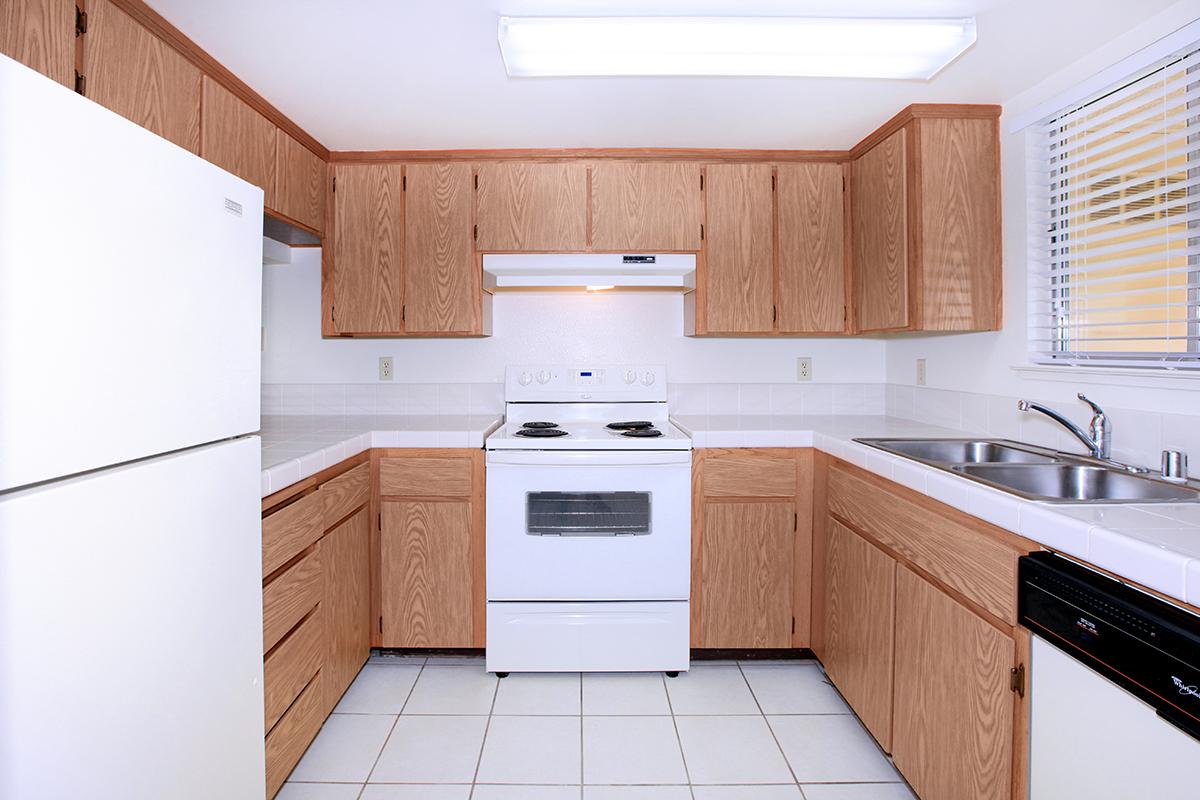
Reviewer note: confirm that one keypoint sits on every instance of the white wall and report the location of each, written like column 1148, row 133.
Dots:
column 612, row 327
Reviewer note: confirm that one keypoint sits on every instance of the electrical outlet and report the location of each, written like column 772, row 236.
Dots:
column 385, row 368
column 920, row 372
column 804, row 368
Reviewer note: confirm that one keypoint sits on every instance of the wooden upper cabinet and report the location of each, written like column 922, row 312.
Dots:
column 299, row 182
column 368, row 227
column 41, row 35
column 737, row 278
column 532, row 206
column 646, row 206
column 137, row 75
column 237, row 138
column 812, row 248
column 441, row 277
column 953, row 727
column 879, row 197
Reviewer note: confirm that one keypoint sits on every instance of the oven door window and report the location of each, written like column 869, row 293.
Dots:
column 587, row 513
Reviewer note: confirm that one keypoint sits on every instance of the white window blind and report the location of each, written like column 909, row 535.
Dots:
column 1115, row 225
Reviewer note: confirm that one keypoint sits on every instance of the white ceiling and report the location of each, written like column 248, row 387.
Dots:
column 383, row 74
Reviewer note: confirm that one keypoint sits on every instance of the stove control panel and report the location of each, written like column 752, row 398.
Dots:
column 585, row 382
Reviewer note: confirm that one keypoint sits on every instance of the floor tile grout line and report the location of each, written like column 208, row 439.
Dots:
column 774, row 738
column 687, row 773
column 487, row 727
column 395, row 722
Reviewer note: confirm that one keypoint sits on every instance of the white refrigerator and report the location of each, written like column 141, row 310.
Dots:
column 130, row 542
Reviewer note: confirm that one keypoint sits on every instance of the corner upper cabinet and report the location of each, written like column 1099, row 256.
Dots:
column 926, row 224
column 237, row 138
column 735, row 287
column 812, row 265
column 531, row 206
column 367, row 239
column 646, row 207
column 134, row 73
column 41, row 35
column 299, row 183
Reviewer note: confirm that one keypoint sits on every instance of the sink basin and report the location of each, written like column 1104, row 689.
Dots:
column 1076, row 483
column 961, row 451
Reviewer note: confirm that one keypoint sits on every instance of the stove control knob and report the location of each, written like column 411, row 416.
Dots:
column 525, row 379
column 630, row 376
column 648, row 378
column 543, row 376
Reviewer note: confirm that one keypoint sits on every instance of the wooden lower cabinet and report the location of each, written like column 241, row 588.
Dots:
column 953, row 727
column 346, row 566
column 860, row 584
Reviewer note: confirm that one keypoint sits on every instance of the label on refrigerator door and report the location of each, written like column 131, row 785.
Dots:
column 233, row 207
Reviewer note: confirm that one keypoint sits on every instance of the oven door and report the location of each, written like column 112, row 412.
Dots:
column 594, row 525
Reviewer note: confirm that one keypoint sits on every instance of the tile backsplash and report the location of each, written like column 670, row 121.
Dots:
column 382, row 398
column 777, row 398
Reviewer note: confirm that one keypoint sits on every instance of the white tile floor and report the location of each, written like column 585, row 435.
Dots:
column 444, row 729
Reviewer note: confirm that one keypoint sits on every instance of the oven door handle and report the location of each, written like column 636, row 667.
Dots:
column 589, row 458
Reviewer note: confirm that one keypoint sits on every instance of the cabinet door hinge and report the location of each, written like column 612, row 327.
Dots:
column 335, row 183
column 774, row 314
column 381, row 624
column 80, row 21
column 477, row 181
column 402, row 307
column 772, row 183
column 332, row 314
column 1016, row 680
column 702, row 181
column 80, row 84
column 843, row 183
column 795, row 522
column 702, row 231
column 474, row 231
column 404, row 183
column 845, row 314
column 793, row 626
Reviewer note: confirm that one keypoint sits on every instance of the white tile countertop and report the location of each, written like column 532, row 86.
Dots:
column 294, row 447
column 1156, row 545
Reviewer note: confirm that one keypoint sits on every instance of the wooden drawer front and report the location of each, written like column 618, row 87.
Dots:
column 288, row 740
column 343, row 494
column 966, row 559
column 291, row 665
column 749, row 476
column 291, row 529
column 288, row 598
column 425, row 477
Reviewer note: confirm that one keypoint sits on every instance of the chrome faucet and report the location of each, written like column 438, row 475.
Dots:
column 1098, row 443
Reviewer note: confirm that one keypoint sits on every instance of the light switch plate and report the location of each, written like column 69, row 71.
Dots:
column 385, row 368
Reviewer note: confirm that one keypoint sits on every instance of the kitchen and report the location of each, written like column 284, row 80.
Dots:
column 685, row 399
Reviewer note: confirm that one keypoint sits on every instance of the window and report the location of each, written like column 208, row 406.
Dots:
column 1115, row 225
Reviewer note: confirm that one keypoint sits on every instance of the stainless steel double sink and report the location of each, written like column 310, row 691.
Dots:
column 1037, row 473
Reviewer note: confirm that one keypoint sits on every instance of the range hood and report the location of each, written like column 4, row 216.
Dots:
column 676, row 271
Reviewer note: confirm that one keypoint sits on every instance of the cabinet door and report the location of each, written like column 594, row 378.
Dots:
column 880, row 207
column 299, row 182
column 527, row 206
column 441, row 282
column 366, row 248
column 738, row 275
column 237, row 138
column 425, row 573
column 812, row 251
column 41, row 35
column 746, row 558
column 346, row 566
column 954, row 711
column 134, row 73
column 646, row 206
column 859, row 634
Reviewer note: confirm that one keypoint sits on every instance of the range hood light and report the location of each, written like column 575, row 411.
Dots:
column 913, row 49
column 598, row 288
column 595, row 272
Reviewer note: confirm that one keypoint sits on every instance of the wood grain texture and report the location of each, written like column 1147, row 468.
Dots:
column 967, row 555
column 802, row 558
column 923, row 111
column 648, row 154
column 425, row 563
column 746, row 473
column 644, row 206
column 367, row 236
column 237, row 138
column 820, row 543
column 441, row 283
column 290, row 666
column 41, row 35
column 746, row 587
column 423, row 476
column 291, row 529
column 953, row 709
column 532, row 206
column 290, row 597
column 280, row 497
column 880, row 208
column 132, row 72
column 738, row 280
column 960, row 224
column 812, row 263
column 343, row 494
column 288, row 740
column 299, row 182
column 859, row 633
column 346, row 567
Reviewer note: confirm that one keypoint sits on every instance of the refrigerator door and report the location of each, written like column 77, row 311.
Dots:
column 130, row 284
column 131, row 631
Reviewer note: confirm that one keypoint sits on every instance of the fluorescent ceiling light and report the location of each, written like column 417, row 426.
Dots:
column 740, row 46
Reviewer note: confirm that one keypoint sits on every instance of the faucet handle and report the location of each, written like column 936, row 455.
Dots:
column 1097, row 410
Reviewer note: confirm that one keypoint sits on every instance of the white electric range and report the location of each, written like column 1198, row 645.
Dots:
column 588, row 523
